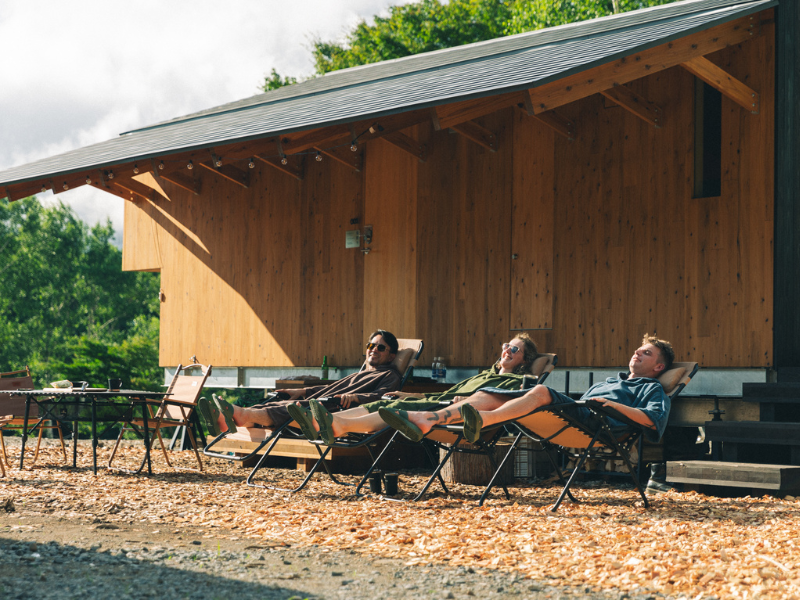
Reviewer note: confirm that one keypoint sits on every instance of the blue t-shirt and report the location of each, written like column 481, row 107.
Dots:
column 643, row 393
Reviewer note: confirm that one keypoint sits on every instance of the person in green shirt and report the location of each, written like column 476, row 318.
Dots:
column 516, row 360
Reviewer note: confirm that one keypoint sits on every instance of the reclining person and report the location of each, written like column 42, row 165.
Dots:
column 516, row 360
column 636, row 394
column 379, row 377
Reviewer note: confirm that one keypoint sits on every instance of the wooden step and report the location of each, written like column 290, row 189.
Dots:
column 788, row 393
column 754, row 432
column 775, row 478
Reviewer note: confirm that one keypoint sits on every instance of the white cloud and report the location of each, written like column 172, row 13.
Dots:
column 83, row 71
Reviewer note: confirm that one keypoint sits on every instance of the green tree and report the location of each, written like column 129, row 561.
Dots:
column 275, row 81
column 66, row 306
column 432, row 25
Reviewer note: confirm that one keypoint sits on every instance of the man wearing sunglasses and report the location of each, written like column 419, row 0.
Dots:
column 378, row 377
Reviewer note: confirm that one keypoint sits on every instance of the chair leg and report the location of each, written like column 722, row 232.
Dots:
column 57, row 427
column 577, row 468
column 116, row 445
column 498, row 470
column 3, row 444
column 38, row 444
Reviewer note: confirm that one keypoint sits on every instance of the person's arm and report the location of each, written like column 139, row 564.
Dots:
column 294, row 393
column 634, row 414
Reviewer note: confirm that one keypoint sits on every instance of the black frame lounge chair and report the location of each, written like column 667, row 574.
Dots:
column 560, row 433
column 408, row 353
column 450, row 437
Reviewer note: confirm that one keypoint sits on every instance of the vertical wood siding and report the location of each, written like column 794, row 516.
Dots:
column 609, row 242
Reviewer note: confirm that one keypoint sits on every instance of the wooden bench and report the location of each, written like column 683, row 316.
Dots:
column 304, row 451
column 699, row 473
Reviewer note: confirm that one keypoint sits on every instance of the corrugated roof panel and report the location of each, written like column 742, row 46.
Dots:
column 435, row 82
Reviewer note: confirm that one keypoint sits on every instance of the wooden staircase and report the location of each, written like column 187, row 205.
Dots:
column 761, row 455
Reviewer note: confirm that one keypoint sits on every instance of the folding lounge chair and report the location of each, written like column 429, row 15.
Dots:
column 175, row 409
column 559, row 432
column 12, row 411
column 408, row 353
column 450, row 437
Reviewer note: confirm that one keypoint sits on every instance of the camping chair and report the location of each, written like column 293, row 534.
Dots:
column 175, row 409
column 559, row 431
column 12, row 411
column 450, row 438
column 408, row 353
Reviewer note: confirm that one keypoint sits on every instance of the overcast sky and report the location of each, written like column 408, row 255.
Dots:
column 76, row 72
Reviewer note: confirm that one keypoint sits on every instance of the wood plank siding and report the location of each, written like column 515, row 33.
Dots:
column 589, row 242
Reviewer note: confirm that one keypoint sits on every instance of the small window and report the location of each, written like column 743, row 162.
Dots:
column 707, row 141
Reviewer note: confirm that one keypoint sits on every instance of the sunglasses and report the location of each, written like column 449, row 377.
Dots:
column 380, row 347
column 510, row 348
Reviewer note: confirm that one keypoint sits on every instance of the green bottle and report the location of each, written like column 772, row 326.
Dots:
column 325, row 367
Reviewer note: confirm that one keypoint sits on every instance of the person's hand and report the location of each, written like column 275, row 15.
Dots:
column 401, row 395
column 294, row 393
column 348, row 400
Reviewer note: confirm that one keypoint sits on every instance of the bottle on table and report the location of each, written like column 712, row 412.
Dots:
column 442, row 370
column 435, row 369
column 325, row 366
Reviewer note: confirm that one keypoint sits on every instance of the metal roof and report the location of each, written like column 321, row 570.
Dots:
column 486, row 68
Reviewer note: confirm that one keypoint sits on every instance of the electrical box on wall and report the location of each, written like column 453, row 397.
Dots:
column 352, row 239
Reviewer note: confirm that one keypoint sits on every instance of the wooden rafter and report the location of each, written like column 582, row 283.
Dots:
column 727, row 84
column 113, row 189
column 345, row 156
column 447, row 115
column 558, row 123
column 580, row 85
column 177, row 178
column 636, row 104
column 407, row 144
column 294, row 165
column 478, row 134
column 135, row 187
column 229, row 172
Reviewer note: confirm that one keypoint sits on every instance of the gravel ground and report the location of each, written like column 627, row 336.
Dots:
column 105, row 560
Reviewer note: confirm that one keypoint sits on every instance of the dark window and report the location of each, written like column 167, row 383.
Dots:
column 707, row 141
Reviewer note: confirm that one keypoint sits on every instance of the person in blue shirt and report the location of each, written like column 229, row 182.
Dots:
column 636, row 394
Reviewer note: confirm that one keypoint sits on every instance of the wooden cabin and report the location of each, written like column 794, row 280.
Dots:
column 587, row 183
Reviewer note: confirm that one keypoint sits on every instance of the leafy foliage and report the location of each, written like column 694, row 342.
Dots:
column 275, row 81
column 66, row 307
column 432, row 25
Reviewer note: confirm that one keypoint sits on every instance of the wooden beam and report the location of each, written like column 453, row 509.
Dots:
column 345, row 156
column 22, row 190
column 294, row 165
column 407, row 144
column 135, row 187
column 229, row 172
column 113, row 189
column 581, row 85
column 454, row 113
column 558, row 123
column 478, row 134
column 724, row 82
column 176, row 178
column 634, row 103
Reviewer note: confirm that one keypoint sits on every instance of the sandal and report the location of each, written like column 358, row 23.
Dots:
column 473, row 423
column 210, row 414
column 325, row 421
column 302, row 417
column 398, row 419
column 227, row 411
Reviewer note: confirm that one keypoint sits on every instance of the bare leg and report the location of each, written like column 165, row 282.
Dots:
column 518, row 407
column 493, row 408
column 425, row 420
column 246, row 417
column 355, row 420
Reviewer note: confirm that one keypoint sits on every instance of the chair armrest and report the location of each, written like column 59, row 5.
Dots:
column 601, row 409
